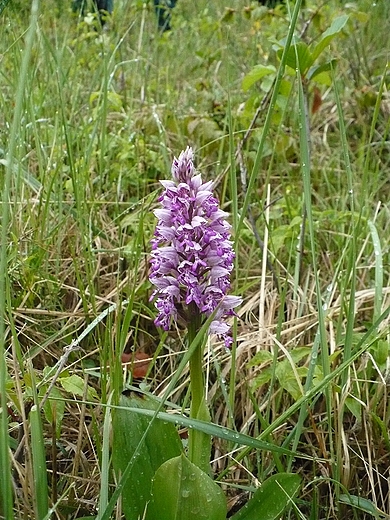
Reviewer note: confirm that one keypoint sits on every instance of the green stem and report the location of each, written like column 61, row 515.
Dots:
column 199, row 443
column 197, row 383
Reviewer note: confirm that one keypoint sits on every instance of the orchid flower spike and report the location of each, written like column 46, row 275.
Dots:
column 192, row 254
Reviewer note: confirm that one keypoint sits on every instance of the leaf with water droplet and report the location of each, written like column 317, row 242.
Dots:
column 182, row 491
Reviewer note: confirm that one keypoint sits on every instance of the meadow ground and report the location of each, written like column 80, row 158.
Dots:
column 298, row 147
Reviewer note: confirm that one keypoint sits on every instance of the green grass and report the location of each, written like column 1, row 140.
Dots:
column 89, row 124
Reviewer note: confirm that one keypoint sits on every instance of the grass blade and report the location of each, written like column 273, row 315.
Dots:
column 6, row 478
column 39, row 464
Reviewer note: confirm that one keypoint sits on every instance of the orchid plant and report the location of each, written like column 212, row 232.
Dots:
column 191, row 262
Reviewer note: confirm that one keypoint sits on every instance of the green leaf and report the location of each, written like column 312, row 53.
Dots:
column 162, row 442
column 299, row 57
column 263, row 356
column 324, row 78
column 75, row 385
column 299, row 353
column 354, row 406
column 258, row 72
column 287, row 378
column 336, row 28
column 54, row 407
column 384, row 431
column 271, row 499
column 182, row 491
column 380, row 351
column 363, row 504
column 218, row 431
column 205, row 129
column 290, row 377
column 319, row 69
column 262, row 378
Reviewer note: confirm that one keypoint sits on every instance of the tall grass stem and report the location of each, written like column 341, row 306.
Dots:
column 6, row 477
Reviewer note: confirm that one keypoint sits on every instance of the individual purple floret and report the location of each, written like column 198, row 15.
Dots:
column 192, row 255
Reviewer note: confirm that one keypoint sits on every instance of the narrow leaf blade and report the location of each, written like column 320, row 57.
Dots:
column 39, row 464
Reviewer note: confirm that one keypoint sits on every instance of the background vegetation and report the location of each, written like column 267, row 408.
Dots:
column 90, row 120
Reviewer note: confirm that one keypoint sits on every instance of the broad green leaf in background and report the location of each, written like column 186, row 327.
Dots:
column 383, row 428
column 300, row 57
column 204, row 129
column 75, row 384
column 258, row 72
column 380, row 350
column 264, row 376
column 182, row 491
column 263, row 356
column 54, row 408
column 316, row 70
column 335, row 28
column 161, row 444
column 354, row 406
column 271, row 499
column 289, row 379
column 363, row 504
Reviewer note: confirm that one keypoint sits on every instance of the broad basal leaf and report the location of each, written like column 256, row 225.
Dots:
column 271, row 499
column 162, row 442
column 182, row 491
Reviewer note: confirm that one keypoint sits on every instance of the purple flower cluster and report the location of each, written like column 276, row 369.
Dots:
column 192, row 255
